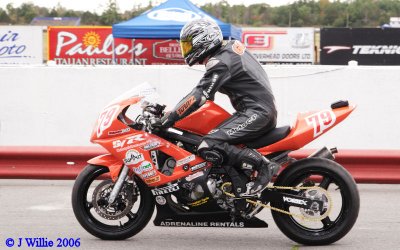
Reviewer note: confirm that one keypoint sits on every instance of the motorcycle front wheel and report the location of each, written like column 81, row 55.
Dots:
column 125, row 217
column 328, row 182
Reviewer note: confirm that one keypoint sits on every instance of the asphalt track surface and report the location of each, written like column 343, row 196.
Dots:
column 32, row 208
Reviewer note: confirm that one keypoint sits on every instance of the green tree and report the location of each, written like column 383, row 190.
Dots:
column 12, row 13
column 328, row 13
column 89, row 18
column 4, row 18
column 110, row 15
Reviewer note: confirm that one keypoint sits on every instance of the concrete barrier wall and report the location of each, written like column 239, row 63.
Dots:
column 58, row 105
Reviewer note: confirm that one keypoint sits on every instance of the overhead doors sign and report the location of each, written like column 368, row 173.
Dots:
column 21, row 45
column 280, row 45
column 367, row 46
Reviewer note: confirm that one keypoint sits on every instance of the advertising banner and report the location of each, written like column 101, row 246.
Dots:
column 280, row 45
column 21, row 45
column 367, row 46
column 96, row 45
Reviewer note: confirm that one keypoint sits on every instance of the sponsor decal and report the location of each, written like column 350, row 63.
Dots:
column 238, row 48
column 165, row 190
column 213, row 81
column 149, row 174
column 168, row 49
column 161, row 200
column 130, row 147
column 144, row 167
column 194, row 176
column 96, row 45
column 280, row 45
column 255, row 39
column 367, row 46
column 294, row 200
column 249, row 121
column 301, row 40
column 153, row 155
column 198, row 166
column 152, row 180
column 331, row 49
column 213, row 131
column 199, row 202
column 118, row 132
column 185, row 160
column 173, row 14
column 151, row 145
column 186, row 105
column 133, row 157
column 206, row 94
column 175, row 131
column 106, row 118
column 128, row 141
column 366, row 49
column 201, row 224
column 321, row 121
column 376, row 49
column 21, row 45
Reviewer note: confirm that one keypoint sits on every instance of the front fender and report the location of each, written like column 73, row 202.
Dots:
column 109, row 161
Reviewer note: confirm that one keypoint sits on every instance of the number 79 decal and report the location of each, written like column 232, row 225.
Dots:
column 106, row 118
column 321, row 121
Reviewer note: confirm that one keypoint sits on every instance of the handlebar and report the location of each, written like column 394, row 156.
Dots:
column 151, row 115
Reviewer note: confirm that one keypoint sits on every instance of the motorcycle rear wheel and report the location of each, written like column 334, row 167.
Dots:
column 341, row 188
column 84, row 209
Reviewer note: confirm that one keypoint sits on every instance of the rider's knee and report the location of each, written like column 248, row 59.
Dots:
column 208, row 152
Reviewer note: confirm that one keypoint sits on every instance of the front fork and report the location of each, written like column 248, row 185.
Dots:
column 118, row 184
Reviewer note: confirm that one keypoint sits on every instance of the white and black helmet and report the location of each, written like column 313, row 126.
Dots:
column 198, row 39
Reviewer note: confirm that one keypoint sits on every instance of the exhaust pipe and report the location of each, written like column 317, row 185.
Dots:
column 325, row 153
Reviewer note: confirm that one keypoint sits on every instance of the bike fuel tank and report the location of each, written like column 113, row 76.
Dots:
column 203, row 120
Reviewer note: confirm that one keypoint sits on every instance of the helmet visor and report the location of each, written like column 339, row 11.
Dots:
column 186, row 47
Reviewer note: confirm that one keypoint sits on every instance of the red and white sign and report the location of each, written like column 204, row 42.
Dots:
column 280, row 45
column 96, row 45
column 168, row 49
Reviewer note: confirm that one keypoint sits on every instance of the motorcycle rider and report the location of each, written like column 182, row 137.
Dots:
column 231, row 70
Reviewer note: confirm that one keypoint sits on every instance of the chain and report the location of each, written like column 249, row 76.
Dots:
column 300, row 216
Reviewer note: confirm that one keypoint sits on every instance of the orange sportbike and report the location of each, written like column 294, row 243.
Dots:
column 314, row 201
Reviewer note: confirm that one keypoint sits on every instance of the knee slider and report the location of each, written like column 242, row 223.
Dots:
column 209, row 154
column 212, row 156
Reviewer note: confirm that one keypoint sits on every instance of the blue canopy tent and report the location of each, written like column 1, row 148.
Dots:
column 166, row 21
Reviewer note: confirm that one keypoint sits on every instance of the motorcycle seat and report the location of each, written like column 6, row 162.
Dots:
column 270, row 137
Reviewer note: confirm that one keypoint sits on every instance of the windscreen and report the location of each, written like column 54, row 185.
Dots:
column 145, row 90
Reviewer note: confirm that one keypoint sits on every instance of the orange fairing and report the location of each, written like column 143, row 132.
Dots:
column 133, row 149
column 107, row 124
column 109, row 161
column 203, row 120
column 308, row 127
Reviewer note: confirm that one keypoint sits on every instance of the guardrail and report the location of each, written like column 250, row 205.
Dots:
column 65, row 163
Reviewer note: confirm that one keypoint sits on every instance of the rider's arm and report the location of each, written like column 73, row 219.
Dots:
column 216, row 75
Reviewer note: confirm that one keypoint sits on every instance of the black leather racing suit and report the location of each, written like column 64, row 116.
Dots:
column 233, row 71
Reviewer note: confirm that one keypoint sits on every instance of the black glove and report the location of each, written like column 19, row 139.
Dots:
column 167, row 120
column 155, row 109
column 164, row 122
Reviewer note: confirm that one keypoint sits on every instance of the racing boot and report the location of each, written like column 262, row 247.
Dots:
column 265, row 172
